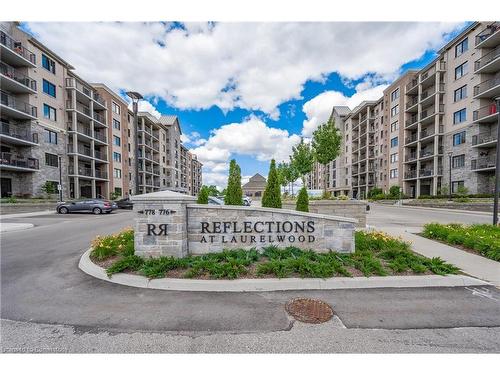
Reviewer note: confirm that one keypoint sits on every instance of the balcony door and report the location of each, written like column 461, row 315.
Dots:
column 5, row 187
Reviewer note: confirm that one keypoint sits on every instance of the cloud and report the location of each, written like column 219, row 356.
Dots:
column 255, row 66
column 145, row 106
column 319, row 108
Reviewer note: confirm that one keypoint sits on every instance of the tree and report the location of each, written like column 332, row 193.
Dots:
column 302, row 200
column 234, row 193
column 293, row 175
column 302, row 159
column 282, row 172
column 49, row 187
column 203, row 195
column 326, row 143
column 272, row 193
column 212, row 191
column 395, row 191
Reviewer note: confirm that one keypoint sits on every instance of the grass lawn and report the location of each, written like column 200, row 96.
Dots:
column 376, row 254
column 482, row 238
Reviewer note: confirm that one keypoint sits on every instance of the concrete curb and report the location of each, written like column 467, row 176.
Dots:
column 27, row 214
column 267, row 285
column 479, row 213
column 14, row 227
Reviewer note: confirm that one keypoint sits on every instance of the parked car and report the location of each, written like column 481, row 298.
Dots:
column 125, row 203
column 96, row 206
column 247, row 201
column 215, row 200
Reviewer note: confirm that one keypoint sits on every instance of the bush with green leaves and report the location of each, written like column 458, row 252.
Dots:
column 374, row 192
column 302, row 200
column 234, row 193
column 121, row 243
column 272, row 193
column 203, row 195
column 395, row 191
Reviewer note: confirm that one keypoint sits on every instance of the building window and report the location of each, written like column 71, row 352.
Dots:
column 394, row 158
column 460, row 93
column 49, row 88
column 393, row 173
column 394, row 142
column 50, row 137
column 117, row 173
column 51, row 160
column 49, row 112
column 116, row 124
column 458, row 161
column 395, row 95
column 461, row 70
column 395, row 110
column 455, row 185
column 458, row 138
column 462, row 47
column 48, row 64
column 116, row 140
column 118, row 191
column 394, row 126
column 115, row 108
column 460, row 116
column 117, row 157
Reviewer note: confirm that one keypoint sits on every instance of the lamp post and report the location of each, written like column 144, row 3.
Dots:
column 450, row 154
column 135, row 96
column 497, row 164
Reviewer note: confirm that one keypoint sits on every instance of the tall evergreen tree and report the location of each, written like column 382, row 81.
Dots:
column 272, row 193
column 234, row 193
column 302, row 200
column 203, row 195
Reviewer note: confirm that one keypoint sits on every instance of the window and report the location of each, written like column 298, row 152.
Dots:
column 118, row 191
column 458, row 138
column 115, row 108
column 458, row 161
column 394, row 158
column 51, row 160
column 455, row 185
column 393, row 173
column 49, row 112
column 395, row 95
column 395, row 110
column 116, row 140
column 460, row 116
column 116, row 124
column 48, row 64
column 461, row 70
column 462, row 47
column 394, row 142
column 117, row 157
column 117, row 173
column 53, row 185
column 460, row 93
column 50, row 137
column 49, row 88
column 394, row 126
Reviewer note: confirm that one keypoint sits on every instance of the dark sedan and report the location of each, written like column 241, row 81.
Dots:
column 125, row 203
column 96, row 206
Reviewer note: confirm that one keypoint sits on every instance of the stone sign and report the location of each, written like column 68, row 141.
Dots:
column 171, row 224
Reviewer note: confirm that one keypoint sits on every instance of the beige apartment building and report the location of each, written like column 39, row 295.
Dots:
column 430, row 122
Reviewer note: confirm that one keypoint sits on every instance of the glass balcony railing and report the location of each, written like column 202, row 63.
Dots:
column 13, row 73
column 486, row 85
column 17, row 47
column 483, row 138
column 486, row 59
column 485, row 111
column 82, row 171
column 483, row 163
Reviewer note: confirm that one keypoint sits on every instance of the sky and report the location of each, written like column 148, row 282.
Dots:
column 247, row 91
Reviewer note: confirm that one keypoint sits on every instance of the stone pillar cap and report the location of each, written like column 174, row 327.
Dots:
column 164, row 195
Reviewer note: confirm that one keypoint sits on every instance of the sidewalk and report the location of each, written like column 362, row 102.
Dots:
column 470, row 212
column 473, row 265
column 27, row 214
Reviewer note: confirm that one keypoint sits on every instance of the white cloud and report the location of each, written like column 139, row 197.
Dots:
column 319, row 108
column 255, row 66
column 145, row 106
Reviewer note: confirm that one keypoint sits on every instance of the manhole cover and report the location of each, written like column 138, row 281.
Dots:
column 309, row 310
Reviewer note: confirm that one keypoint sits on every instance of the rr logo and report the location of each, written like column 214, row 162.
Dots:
column 152, row 229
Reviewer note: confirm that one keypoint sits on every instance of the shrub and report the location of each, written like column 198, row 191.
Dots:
column 203, row 195
column 128, row 263
column 302, row 200
column 343, row 197
column 272, row 193
column 395, row 191
column 121, row 243
column 374, row 192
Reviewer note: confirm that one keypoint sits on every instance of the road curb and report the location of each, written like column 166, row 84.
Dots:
column 267, row 285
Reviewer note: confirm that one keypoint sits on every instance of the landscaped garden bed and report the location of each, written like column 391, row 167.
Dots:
column 376, row 254
column 482, row 239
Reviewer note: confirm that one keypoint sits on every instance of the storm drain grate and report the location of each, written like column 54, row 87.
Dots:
column 309, row 310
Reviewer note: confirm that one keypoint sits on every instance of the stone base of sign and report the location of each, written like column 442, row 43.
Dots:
column 171, row 224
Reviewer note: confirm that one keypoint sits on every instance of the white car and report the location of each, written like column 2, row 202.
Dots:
column 247, row 201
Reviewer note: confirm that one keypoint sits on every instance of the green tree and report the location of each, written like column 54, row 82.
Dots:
column 234, row 193
column 203, row 195
column 293, row 174
column 302, row 159
column 326, row 144
column 49, row 187
column 281, row 170
column 272, row 193
column 395, row 191
column 302, row 200
column 212, row 191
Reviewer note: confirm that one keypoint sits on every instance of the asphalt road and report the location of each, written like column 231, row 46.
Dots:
column 48, row 303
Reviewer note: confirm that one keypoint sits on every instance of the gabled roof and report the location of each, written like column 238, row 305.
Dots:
column 342, row 110
column 170, row 120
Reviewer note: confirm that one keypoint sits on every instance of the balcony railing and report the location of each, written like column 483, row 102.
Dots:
column 101, row 174
column 100, row 136
column 411, row 157
column 80, row 149
column 432, row 91
column 412, row 102
column 486, row 111
column 483, row 163
column 430, row 131
column 412, row 120
column 411, row 174
column 432, row 111
column 486, row 85
column 411, row 84
column 79, row 107
column 428, row 73
column 17, row 47
column 411, row 138
column 483, row 138
column 14, row 74
column 99, row 118
column 80, row 128
column 72, row 82
column 425, row 172
column 487, row 32
column 425, row 153
column 100, row 155
column 13, row 160
column 486, row 59
column 98, row 98
column 12, row 102
column 20, row 132
column 82, row 171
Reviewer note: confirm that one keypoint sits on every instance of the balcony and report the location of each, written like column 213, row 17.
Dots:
column 488, row 89
column 412, row 87
column 424, row 154
column 425, row 173
column 411, row 157
column 411, row 122
column 100, row 119
column 79, row 107
column 18, row 134
column 427, row 77
column 486, row 114
column 411, row 105
column 483, row 164
column 81, row 88
column 427, row 114
column 12, row 107
column 489, row 37
column 485, row 140
column 14, row 53
column 411, row 175
column 80, row 150
column 100, row 101
column 489, row 63
column 18, row 163
column 14, row 81
column 102, row 175
column 428, row 95
column 100, row 155
column 82, row 171
column 412, row 138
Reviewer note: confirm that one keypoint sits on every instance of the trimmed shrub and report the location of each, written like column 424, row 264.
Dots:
column 234, row 193
column 374, row 192
column 203, row 195
column 395, row 191
column 302, row 200
column 272, row 193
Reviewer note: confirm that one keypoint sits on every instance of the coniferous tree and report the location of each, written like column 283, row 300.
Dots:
column 203, row 195
column 302, row 200
column 272, row 193
column 234, row 193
